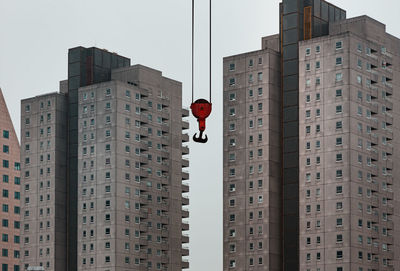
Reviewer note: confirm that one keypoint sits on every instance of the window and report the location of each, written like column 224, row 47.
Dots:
column 5, row 164
column 339, row 61
column 339, row 77
column 231, row 81
column 232, row 66
column 318, row 81
column 359, row 79
column 339, row 222
column 308, row 51
column 317, row 49
column 232, row 96
column 308, row 66
column 339, row 125
column 339, row 141
column 260, row 76
column 339, row 157
column 317, row 65
column 260, row 91
column 6, row 134
column 339, row 45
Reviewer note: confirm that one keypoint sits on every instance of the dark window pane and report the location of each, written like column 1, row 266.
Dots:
column 290, row 36
column 290, row 114
column 337, row 14
column 291, row 145
column 291, row 129
column 290, row 67
column 74, row 55
column 324, row 11
column 289, row 6
column 290, row 83
column 291, row 191
column 290, row 98
column 290, row 52
column 331, row 13
column 342, row 15
column 317, row 8
column 290, row 174
column 290, row 21
column 291, row 160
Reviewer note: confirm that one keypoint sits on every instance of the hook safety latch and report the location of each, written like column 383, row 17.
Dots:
column 201, row 109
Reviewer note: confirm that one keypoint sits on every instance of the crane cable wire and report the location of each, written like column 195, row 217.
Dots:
column 210, row 54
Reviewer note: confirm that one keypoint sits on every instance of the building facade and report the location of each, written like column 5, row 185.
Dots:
column 337, row 113
column 43, row 182
column 348, row 110
column 252, row 198
column 104, row 168
column 10, row 188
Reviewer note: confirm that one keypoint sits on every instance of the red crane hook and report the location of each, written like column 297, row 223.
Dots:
column 201, row 109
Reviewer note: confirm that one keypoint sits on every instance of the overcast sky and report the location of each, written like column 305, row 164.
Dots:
column 35, row 37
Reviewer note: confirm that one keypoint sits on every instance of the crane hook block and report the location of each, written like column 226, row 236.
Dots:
column 201, row 109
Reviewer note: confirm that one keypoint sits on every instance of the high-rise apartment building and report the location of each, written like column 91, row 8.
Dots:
column 43, row 182
column 348, row 109
column 10, row 189
column 118, row 130
column 252, row 175
column 337, row 105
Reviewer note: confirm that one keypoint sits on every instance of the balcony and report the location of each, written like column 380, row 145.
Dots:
column 185, row 125
column 185, row 163
column 164, row 129
column 185, row 188
column 144, row 160
column 185, row 201
column 185, row 213
column 144, row 173
column 143, row 241
column 143, row 254
column 165, row 219
column 185, row 138
column 185, row 226
column 185, row 175
column 185, row 240
column 144, row 132
column 185, row 112
column 185, row 264
column 165, row 140
column 164, row 259
column 185, row 150
column 144, row 146
column 164, row 193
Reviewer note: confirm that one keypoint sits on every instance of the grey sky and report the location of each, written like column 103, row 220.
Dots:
column 35, row 37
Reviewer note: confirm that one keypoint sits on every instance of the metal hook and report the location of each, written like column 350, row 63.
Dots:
column 200, row 139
